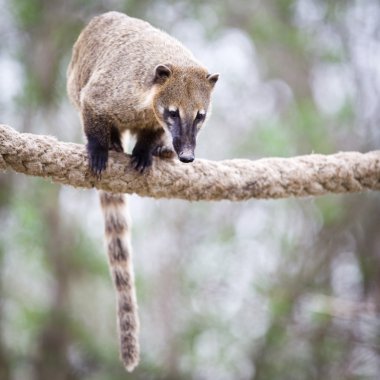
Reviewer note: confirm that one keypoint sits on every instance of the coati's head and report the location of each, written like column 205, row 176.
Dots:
column 181, row 103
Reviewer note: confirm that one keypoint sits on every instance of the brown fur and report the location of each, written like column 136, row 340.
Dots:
column 127, row 75
column 112, row 69
column 111, row 78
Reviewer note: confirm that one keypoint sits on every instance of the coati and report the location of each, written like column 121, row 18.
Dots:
column 126, row 75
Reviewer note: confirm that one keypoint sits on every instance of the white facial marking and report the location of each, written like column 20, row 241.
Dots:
column 201, row 112
column 167, row 131
column 173, row 108
column 161, row 109
column 208, row 113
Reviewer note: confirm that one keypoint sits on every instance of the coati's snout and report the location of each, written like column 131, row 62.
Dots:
column 185, row 153
column 184, row 140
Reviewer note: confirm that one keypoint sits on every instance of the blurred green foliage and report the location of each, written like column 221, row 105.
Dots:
column 256, row 290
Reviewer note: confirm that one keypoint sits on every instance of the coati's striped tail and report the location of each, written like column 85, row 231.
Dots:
column 117, row 230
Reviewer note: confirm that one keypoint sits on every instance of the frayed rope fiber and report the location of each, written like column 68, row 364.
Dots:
column 235, row 180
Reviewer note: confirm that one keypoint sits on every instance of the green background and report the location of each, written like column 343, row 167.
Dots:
column 285, row 289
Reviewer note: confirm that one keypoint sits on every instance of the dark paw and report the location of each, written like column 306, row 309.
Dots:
column 163, row 151
column 97, row 157
column 116, row 146
column 141, row 160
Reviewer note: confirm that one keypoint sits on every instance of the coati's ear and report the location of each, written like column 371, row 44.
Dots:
column 213, row 78
column 161, row 73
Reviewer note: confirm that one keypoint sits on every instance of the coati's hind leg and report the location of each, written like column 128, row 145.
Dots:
column 115, row 140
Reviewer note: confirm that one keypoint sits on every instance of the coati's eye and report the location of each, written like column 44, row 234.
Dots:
column 174, row 114
column 200, row 116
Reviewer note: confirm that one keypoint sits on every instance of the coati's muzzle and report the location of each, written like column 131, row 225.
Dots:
column 184, row 146
column 186, row 155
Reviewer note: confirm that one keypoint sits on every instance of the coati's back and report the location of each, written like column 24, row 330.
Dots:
column 118, row 54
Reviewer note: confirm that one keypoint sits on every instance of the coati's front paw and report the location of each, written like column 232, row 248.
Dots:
column 163, row 151
column 141, row 159
column 97, row 157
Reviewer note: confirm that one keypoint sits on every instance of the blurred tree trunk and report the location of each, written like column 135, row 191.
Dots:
column 51, row 361
column 48, row 28
column 5, row 368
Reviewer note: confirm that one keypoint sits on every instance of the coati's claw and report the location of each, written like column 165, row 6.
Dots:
column 97, row 157
column 141, row 160
column 98, row 162
column 163, row 151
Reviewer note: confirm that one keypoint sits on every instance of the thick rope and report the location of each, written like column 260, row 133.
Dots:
column 235, row 180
